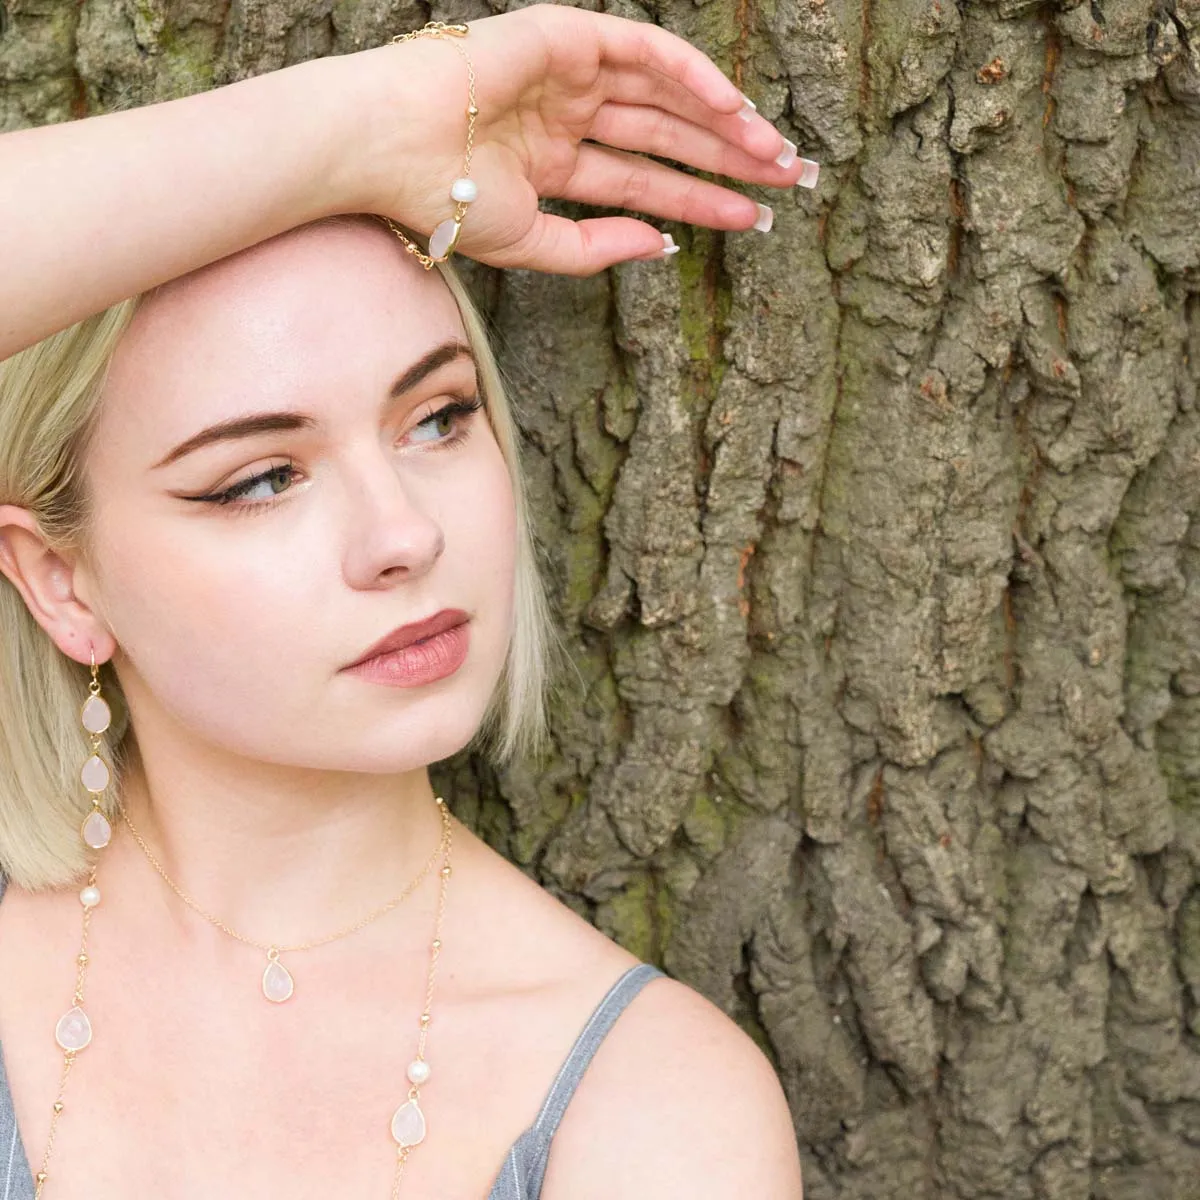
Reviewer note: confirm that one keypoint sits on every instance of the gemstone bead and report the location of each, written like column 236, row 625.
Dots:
column 74, row 1030
column 94, row 774
column 408, row 1124
column 442, row 236
column 96, row 715
column 464, row 189
column 97, row 832
column 89, row 897
column 419, row 1071
column 277, row 984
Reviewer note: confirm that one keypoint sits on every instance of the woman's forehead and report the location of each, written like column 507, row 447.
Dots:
column 333, row 287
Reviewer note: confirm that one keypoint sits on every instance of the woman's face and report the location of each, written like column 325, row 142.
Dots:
column 234, row 621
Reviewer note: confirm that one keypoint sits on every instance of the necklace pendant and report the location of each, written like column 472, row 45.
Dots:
column 73, row 1031
column 277, row 982
column 408, row 1124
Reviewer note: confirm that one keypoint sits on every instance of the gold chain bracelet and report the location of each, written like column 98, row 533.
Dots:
column 444, row 238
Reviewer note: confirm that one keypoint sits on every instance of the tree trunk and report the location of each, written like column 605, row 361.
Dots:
column 876, row 543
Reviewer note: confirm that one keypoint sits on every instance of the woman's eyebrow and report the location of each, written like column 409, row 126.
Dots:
column 283, row 421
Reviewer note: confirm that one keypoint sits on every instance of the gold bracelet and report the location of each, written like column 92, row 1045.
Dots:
column 444, row 238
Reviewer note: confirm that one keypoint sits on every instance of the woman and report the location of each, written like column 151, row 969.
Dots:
column 202, row 323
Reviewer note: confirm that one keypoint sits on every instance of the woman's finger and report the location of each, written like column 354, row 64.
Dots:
column 615, row 179
column 642, row 44
column 627, row 85
column 565, row 247
column 653, row 131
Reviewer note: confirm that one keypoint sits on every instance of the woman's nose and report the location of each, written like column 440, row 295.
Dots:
column 392, row 530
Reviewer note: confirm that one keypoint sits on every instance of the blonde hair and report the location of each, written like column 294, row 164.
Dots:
column 50, row 394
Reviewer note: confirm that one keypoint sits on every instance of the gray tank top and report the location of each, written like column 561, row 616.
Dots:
column 524, row 1166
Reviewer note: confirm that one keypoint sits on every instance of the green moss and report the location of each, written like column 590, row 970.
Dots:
column 706, row 824
column 628, row 918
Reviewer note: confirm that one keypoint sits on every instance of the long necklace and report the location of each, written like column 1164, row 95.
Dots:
column 73, row 1033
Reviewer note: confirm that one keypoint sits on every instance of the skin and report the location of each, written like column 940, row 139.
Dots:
column 290, row 798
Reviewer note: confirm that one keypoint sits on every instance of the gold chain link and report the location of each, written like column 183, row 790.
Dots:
column 271, row 947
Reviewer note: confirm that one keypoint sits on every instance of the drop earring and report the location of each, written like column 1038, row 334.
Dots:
column 96, row 717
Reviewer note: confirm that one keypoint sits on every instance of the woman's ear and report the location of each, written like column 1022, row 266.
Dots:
column 46, row 581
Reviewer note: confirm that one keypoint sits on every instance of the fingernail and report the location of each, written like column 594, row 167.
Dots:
column 787, row 155
column 810, row 173
column 766, row 218
column 748, row 109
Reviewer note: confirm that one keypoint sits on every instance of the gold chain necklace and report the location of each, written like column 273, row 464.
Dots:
column 73, row 1033
column 277, row 984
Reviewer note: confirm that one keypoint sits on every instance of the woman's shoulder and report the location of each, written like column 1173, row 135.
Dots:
column 693, row 1101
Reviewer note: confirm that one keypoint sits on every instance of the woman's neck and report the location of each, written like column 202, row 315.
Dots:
column 277, row 853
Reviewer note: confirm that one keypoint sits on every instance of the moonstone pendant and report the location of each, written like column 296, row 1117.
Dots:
column 277, row 984
column 94, row 774
column 443, row 237
column 74, row 1030
column 96, row 715
column 96, row 830
column 408, row 1124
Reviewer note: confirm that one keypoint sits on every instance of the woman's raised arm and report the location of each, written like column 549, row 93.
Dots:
column 570, row 102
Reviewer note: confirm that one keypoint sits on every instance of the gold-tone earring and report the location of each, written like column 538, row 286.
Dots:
column 96, row 717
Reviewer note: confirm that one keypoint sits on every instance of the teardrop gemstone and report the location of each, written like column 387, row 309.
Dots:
column 74, row 1030
column 442, row 236
column 96, row 830
column 96, row 715
column 94, row 774
column 408, row 1124
column 278, row 983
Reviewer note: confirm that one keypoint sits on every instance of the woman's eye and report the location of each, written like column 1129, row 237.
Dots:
column 453, row 417
column 442, row 417
column 257, row 488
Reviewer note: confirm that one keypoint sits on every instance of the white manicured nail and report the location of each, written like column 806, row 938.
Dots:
column 766, row 218
column 748, row 109
column 787, row 155
column 810, row 174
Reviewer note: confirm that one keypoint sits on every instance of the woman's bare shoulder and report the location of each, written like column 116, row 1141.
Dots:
column 693, row 1100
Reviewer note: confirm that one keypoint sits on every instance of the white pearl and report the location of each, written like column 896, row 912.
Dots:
column 464, row 189
column 418, row 1071
column 89, row 896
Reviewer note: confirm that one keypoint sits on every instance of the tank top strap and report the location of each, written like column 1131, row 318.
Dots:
column 586, row 1045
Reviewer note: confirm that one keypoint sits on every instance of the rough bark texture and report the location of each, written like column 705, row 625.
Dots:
column 876, row 542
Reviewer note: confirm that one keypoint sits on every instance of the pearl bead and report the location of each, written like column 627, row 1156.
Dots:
column 464, row 189
column 90, row 896
column 418, row 1071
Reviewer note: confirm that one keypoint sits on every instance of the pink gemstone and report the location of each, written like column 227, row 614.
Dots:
column 94, row 774
column 277, row 982
column 97, row 832
column 408, row 1124
column 441, row 237
column 96, row 715
column 74, row 1030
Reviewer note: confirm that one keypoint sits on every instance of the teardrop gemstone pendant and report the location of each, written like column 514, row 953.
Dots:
column 277, row 982
column 96, row 830
column 74, row 1030
column 408, row 1124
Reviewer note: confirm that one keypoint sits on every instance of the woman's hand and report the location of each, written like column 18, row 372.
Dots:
column 548, row 77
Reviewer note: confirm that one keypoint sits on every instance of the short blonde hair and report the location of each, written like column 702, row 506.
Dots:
column 50, row 396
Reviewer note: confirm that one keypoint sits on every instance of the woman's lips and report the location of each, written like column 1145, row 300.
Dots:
column 419, row 663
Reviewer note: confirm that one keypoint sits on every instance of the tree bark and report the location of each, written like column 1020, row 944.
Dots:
column 876, row 544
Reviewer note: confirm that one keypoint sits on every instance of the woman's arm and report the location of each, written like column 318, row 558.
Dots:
column 95, row 210
column 570, row 102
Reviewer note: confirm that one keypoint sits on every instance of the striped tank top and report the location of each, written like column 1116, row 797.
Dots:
column 524, row 1166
